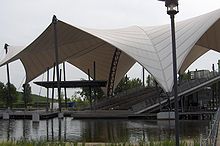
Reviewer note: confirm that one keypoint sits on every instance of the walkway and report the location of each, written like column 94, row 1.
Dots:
column 183, row 89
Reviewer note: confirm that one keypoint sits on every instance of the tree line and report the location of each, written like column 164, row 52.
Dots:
column 126, row 83
column 8, row 100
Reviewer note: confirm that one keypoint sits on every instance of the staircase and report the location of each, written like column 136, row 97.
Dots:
column 125, row 100
column 185, row 87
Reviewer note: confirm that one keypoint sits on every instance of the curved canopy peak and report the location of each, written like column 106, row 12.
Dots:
column 150, row 46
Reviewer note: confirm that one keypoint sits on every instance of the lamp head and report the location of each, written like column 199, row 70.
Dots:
column 172, row 6
column 6, row 48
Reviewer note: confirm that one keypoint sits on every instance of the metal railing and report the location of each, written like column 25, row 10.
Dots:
column 184, row 88
column 101, row 103
column 185, row 85
column 211, row 138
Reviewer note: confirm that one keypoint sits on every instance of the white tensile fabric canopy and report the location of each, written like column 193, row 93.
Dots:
column 149, row 46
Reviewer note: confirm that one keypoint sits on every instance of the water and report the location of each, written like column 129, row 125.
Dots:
column 99, row 130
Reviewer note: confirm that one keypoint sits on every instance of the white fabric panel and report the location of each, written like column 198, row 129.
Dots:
column 195, row 53
column 150, row 46
column 187, row 34
column 103, row 59
column 12, row 52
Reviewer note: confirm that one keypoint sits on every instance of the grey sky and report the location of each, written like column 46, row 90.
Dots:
column 22, row 21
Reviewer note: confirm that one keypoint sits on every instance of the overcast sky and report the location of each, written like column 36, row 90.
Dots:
column 22, row 21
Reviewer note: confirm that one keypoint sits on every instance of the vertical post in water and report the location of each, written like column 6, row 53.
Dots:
column 53, row 87
column 48, row 74
column 64, row 79
column 60, row 130
column 9, row 104
column 52, row 132
column 60, row 117
column 61, row 96
column 57, row 60
column 47, row 129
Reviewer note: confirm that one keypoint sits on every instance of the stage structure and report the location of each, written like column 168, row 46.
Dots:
column 116, row 51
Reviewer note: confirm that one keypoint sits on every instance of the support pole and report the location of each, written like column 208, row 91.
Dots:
column 218, row 94
column 53, row 88
column 182, row 103
column 94, row 70
column 48, row 76
column 213, row 69
column 213, row 96
column 61, row 96
column 64, row 79
column 90, row 91
column 25, row 95
column 175, row 79
column 57, row 60
column 143, row 76
column 47, row 124
column 9, row 104
column 158, row 94
column 94, row 78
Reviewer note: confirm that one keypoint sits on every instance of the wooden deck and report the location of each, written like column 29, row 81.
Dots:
column 28, row 114
column 98, row 114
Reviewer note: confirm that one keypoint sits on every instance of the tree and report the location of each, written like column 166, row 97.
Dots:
column 136, row 82
column 79, row 102
column 150, row 81
column 85, row 93
column 122, row 85
column 4, row 93
column 2, row 86
column 27, row 93
column 185, row 76
column 126, row 84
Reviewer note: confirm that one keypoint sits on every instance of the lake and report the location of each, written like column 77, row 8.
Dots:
column 105, row 130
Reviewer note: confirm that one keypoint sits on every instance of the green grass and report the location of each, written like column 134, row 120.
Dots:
column 44, row 143
column 41, row 100
column 35, row 98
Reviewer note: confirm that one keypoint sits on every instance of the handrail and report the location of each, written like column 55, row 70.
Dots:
column 183, row 88
column 120, row 95
column 192, row 83
column 211, row 139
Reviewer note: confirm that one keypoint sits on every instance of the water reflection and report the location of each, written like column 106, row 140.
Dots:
column 47, row 130
column 68, row 129
column 65, row 132
column 52, row 132
column 60, row 129
column 105, row 130
column 35, row 128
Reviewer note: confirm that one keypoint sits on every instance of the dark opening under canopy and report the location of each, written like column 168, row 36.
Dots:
column 73, row 84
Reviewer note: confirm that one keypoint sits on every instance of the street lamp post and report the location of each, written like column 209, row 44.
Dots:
column 172, row 10
column 9, row 105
